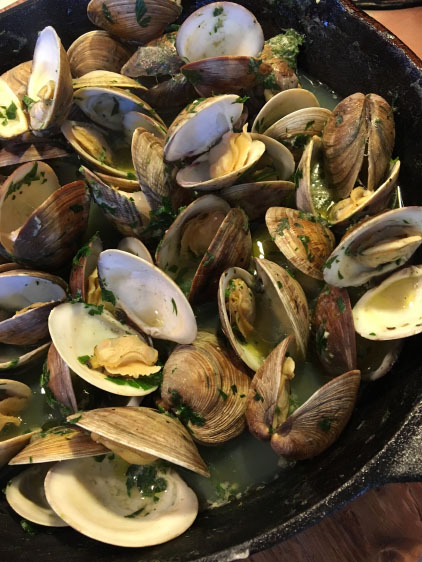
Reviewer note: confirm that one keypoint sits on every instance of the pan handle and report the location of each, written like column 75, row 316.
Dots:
column 401, row 458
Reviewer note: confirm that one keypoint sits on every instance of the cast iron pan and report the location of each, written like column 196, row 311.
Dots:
column 382, row 443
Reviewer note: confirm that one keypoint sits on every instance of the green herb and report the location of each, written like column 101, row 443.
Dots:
column 108, row 296
column 300, row 140
column 321, row 338
column 84, row 359
column 106, row 13
column 340, row 304
column 116, row 107
column 223, row 395
column 31, row 460
column 286, row 46
column 145, row 382
column 218, row 25
column 184, row 412
column 135, row 513
column 29, row 102
column 339, row 275
column 160, row 219
column 258, row 397
column 94, row 309
column 26, row 180
column 76, row 208
column 282, row 225
column 305, row 241
column 49, row 396
column 279, row 284
column 81, row 253
column 330, row 262
column 28, row 527
column 218, row 11
column 140, row 11
column 102, row 156
column 372, row 334
column 75, row 420
column 325, row 424
column 99, row 458
column 193, row 76
column 131, row 176
column 11, row 364
column 270, row 82
column 254, row 65
column 241, row 100
column 234, row 388
column 309, row 124
column 210, row 258
column 297, row 175
column 339, row 119
column 11, row 111
column 174, row 306
column 146, row 479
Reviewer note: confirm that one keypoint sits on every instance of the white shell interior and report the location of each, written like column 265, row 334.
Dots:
column 393, row 309
column 202, row 129
column 148, row 296
column 221, row 28
column 133, row 120
column 136, row 247
column 75, row 333
column 10, row 127
column 25, row 494
column 101, row 489
column 18, row 290
column 46, row 62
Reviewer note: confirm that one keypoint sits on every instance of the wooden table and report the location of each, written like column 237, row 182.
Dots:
column 383, row 525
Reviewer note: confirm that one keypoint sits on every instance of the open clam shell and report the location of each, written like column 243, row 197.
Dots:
column 393, row 309
column 96, row 50
column 83, row 265
column 17, row 78
column 134, row 22
column 200, row 125
column 204, row 378
column 315, row 425
column 281, row 310
column 150, row 299
column 121, row 519
column 27, row 298
column 50, row 83
column 334, row 331
column 134, row 120
column 25, row 495
column 171, row 94
column 297, row 127
column 281, row 105
column 136, row 247
column 106, row 79
column 374, row 247
column 147, row 431
column 13, row 121
column 220, row 240
column 60, row 380
column 16, row 356
column 221, row 28
column 75, row 333
column 305, row 242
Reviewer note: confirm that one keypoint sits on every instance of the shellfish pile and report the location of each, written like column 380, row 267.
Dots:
column 187, row 148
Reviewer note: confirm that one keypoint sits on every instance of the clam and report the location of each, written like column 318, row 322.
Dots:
column 50, row 83
column 26, row 300
column 268, row 398
column 200, row 125
column 358, row 141
column 233, row 29
column 40, row 222
column 17, row 78
column 157, row 58
column 391, row 310
column 106, row 79
column 333, row 331
column 82, row 280
column 304, row 241
column 315, row 425
column 107, row 106
column 14, row 152
column 136, row 22
column 205, row 239
column 171, row 94
column 13, row 121
column 207, row 389
column 83, row 336
column 25, row 495
column 16, row 356
column 375, row 247
column 134, row 120
column 96, row 50
column 149, row 298
column 122, row 518
column 256, row 314
column 60, row 380
column 283, row 104
column 136, row 247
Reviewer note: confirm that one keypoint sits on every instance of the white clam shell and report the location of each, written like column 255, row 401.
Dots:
column 150, row 298
column 25, row 495
column 101, row 490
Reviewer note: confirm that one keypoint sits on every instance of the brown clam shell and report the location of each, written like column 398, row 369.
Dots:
column 82, row 267
column 60, row 381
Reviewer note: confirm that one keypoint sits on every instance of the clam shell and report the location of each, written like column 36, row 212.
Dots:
column 17, row 78
column 234, row 31
column 19, row 289
column 10, row 447
column 400, row 233
column 264, row 392
column 58, row 444
column 49, row 65
column 10, row 128
column 75, row 333
column 25, row 495
column 393, row 309
column 147, row 431
column 133, row 120
column 281, row 105
column 13, row 356
column 334, row 332
column 200, row 125
column 60, row 381
column 280, row 156
column 173, row 93
column 106, row 79
column 158, row 58
column 315, row 426
column 96, row 50
column 136, row 247
column 305, row 242
column 83, row 264
column 150, row 299
column 20, row 152
column 203, row 377
column 308, row 121
column 101, row 488
column 121, row 184
column 127, row 21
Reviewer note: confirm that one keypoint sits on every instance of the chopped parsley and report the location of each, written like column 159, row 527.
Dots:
column 325, row 424
column 286, row 46
column 145, row 382
column 241, row 100
column 258, row 397
column 84, row 359
column 29, row 102
column 218, row 11
column 106, row 13
column 146, row 479
column 234, row 388
column 305, row 241
column 223, row 395
column 210, row 258
column 282, row 225
column 26, row 180
column 184, row 412
column 141, row 11
column 340, row 304
column 108, row 296
column 173, row 302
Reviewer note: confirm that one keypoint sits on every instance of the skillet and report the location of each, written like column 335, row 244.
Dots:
column 383, row 440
